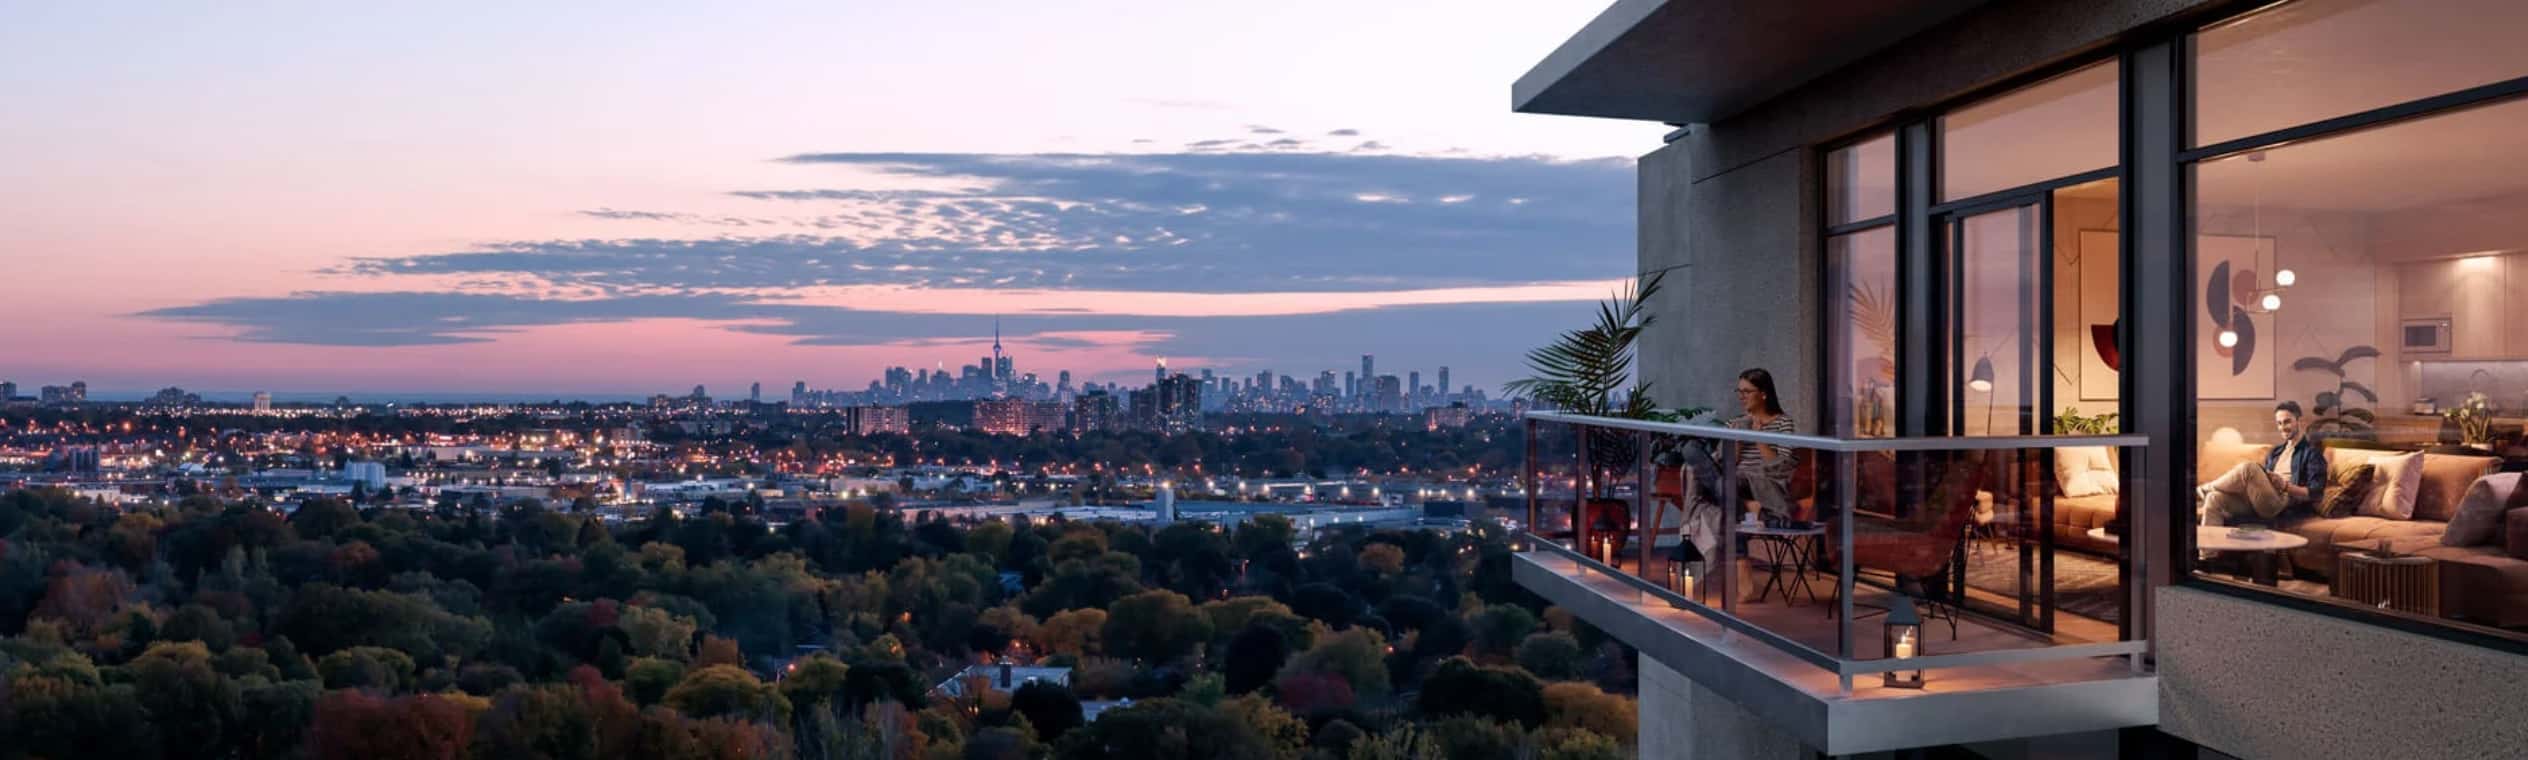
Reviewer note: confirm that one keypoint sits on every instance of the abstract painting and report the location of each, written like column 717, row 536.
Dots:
column 2099, row 307
column 2227, row 275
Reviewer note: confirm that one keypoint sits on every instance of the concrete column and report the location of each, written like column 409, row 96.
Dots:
column 1681, row 720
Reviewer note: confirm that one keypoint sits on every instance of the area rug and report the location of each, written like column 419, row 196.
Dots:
column 2084, row 585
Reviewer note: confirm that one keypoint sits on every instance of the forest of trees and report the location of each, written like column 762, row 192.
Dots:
column 212, row 629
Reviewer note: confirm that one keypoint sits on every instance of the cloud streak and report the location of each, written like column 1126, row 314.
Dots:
column 1375, row 247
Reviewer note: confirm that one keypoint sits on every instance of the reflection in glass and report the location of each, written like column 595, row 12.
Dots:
column 2311, row 60
column 1861, row 181
column 2056, row 128
column 1864, row 361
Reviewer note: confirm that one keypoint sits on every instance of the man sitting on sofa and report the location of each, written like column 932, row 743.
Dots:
column 2292, row 475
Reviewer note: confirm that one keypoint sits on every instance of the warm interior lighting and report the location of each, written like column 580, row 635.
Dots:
column 2286, row 278
column 2229, row 339
column 2270, row 302
column 1982, row 380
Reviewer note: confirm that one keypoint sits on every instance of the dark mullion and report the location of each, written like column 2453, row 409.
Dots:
column 2461, row 99
column 1865, row 225
column 2016, row 195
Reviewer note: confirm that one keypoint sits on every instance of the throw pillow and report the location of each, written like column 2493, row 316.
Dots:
column 2078, row 468
column 2480, row 511
column 2393, row 489
column 2346, row 492
column 2446, row 478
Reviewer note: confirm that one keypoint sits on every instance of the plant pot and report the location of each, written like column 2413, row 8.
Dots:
column 1614, row 512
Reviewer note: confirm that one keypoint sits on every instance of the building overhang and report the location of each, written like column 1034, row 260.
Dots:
column 1697, row 61
column 1959, row 706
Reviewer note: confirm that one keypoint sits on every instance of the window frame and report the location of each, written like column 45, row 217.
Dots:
column 2176, row 491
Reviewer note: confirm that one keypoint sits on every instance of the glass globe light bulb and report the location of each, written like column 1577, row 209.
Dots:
column 2271, row 301
column 2229, row 339
column 2285, row 278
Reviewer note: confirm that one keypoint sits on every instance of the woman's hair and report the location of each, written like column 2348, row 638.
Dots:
column 1763, row 381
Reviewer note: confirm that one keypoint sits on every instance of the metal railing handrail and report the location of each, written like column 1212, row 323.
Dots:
column 1841, row 662
column 1822, row 443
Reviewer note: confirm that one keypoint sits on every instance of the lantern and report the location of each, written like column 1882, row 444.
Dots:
column 1903, row 638
column 1603, row 549
column 1683, row 561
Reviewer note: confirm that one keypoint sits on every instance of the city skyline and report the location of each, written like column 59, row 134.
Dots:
column 587, row 219
column 1058, row 379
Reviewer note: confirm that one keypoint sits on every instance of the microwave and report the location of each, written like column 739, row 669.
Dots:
column 2425, row 336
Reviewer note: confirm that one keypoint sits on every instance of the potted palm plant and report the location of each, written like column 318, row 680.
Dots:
column 1590, row 371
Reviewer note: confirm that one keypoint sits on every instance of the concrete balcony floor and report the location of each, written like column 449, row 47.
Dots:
column 1957, row 705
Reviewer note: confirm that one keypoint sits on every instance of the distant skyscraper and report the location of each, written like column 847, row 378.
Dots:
column 799, row 393
column 1443, row 380
column 1413, row 384
column 263, row 402
column 1351, row 384
column 755, row 393
column 1387, row 393
column 1369, row 369
column 8, row 391
column 1160, row 375
column 1094, row 410
column 699, row 396
column 872, row 420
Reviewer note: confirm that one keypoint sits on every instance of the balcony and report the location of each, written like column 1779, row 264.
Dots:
column 1897, row 592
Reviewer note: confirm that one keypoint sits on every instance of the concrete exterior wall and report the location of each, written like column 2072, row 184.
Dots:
column 2252, row 679
column 1684, row 721
column 1743, row 279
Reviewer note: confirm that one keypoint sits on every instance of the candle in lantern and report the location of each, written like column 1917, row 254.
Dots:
column 1685, row 583
column 1905, row 647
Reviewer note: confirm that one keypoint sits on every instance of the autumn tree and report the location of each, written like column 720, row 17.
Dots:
column 353, row 725
column 1048, row 707
column 727, row 690
column 1159, row 626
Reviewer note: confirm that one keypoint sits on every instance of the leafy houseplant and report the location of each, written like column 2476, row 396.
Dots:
column 1590, row 371
column 2474, row 418
column 2329, row 412
column 2072, row 422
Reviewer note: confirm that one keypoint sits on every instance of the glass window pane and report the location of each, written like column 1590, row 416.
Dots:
column 2310, row 60
column 2055, row 128
column 2405, row 246
column 1996, row 309
column 1864, row 364
column 1861, row 180
column 2087, row 304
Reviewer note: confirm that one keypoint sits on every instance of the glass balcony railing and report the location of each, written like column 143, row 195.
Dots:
column 1883, row 559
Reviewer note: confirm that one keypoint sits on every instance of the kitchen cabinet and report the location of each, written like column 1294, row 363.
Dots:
column 2474, row 294
column 2422, row 289
column 2515, row 315
column 2479, row 318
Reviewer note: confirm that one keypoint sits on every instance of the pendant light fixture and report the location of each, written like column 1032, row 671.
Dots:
column 2263, row 300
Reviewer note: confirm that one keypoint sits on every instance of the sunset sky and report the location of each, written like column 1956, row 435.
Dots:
column 591, row 200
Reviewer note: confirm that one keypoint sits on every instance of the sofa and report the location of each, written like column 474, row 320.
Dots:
column 2483, row 583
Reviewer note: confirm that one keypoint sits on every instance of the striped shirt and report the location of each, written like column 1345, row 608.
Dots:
column 1751, row 462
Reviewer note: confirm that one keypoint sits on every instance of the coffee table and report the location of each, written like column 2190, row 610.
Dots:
column 1784, row 546
column 2260, row 549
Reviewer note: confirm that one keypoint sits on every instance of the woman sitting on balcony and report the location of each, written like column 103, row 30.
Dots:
column 1763, row 470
